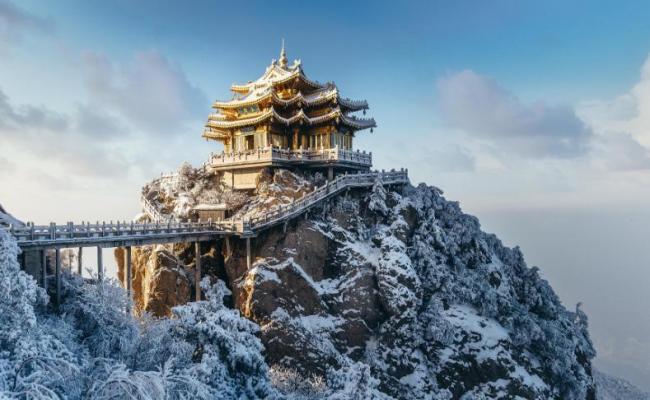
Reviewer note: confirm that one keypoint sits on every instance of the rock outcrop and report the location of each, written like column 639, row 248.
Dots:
column 160, row 280
column 398, row 280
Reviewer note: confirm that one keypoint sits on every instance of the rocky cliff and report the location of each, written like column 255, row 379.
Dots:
column 399, row 280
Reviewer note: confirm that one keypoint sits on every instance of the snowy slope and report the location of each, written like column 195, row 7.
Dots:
column 375, row 294
column 405, row 283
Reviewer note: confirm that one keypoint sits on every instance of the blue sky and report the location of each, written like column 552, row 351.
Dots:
column 534, row 115
column 507, row 39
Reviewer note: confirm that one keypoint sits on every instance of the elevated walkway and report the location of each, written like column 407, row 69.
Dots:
column 166, row 230
column 36, row 240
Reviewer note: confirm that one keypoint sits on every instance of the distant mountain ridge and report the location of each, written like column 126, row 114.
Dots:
column 612, row 388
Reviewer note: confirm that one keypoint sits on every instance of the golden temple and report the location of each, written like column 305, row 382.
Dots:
column 285, row 119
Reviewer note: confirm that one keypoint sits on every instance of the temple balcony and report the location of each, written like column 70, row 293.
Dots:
column 276, row 157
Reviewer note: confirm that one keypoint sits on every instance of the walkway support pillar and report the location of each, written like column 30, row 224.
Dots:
column 228, row 253
column 100, row 265
column 248, row 253
column 330, row 173
column 197, row 270
column 44, row 269
column 57, row 272
column 79, row 260
column 127, row 275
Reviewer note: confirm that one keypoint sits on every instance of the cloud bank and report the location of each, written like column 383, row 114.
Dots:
column 622, row 125
column 485, row 110
column 131, row 111
column 151, row 93
column 608, row 135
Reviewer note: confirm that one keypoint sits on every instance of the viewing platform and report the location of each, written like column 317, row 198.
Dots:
column 276, row 157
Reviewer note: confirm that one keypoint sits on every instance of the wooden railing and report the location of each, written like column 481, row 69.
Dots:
column 86, row 230
column 331, row 188
column 153, row 212
column 269, row 154
column 87, row 233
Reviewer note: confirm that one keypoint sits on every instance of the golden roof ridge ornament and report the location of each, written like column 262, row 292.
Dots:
column 283, row 56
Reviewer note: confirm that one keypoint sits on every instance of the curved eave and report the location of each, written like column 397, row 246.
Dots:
column 245, row 88
column 213, row 123
column 211, row 133
column 298, row 73
column 299, row 117
column 241, row 103
column 352, row 105
column 358, row 123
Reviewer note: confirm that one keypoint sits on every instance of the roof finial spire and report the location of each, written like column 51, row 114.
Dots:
column 283, row 56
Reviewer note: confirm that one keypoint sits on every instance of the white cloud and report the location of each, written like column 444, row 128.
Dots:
column 98, row 124
column 16, row 118
column 622, row 126
column 620, row 152
column 91, row 160
column 150, row 93
column 134, row 117
column 53, row 136
column 486, row 111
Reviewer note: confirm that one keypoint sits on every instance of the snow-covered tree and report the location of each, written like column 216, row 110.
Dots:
column 94, row 349
column 99, row 314
column 20, row 294
column 227, row 353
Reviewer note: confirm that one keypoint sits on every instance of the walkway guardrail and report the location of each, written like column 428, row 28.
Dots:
column 153, row 212
column 123, row 234
column 270, row 154
column 331, row 188
column 88, row 234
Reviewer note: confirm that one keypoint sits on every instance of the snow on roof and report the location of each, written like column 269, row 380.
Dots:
column 264, row 88
column 300, row 116
column 276, row 74
column 316, row 97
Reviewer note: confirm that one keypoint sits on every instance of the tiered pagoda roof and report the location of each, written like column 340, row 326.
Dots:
column 285, row 97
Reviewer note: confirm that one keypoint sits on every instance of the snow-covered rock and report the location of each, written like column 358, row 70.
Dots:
column 405, row 290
